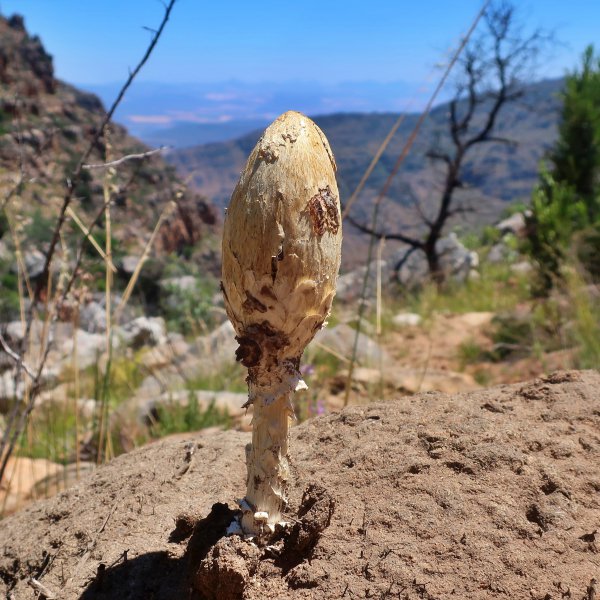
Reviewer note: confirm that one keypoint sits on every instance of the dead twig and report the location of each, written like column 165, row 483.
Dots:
column 41, row 589
column 16, row 357
column 117, row 162
column 12, row 434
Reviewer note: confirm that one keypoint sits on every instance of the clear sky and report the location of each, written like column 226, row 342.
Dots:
column 322, row 40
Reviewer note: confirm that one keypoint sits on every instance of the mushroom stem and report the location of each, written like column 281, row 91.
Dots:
column 267, row 461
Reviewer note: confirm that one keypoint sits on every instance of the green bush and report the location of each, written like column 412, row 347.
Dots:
column 556, row 213
column 189, row 311
column 39, row 230
column 178, row 418
column 567, row 200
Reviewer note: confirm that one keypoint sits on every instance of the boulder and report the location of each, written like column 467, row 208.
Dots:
column 456, row 261
column 186, row 283
column 92, row 317
column 144, row 331
column 514, row 224
column 350, row 285
column 89, row 348
column 523, row 267
column 128, row 264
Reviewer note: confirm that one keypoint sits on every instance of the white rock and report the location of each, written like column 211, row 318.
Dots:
column 89, row 348
column 514, row 224
column 129, row 263
column 406, row 320
column 340, row 339
column 522, row 268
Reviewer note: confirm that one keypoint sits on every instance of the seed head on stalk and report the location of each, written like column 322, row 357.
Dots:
column 281, row 255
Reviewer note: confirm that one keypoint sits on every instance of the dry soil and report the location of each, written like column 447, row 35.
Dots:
column 488, row 494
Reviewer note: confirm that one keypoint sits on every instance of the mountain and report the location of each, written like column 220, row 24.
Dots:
column 45, row 125
column 494, row 175
column 188, row 114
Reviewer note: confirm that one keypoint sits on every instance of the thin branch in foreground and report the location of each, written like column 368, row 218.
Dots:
column 115, row 163
column 11, row 433
column 91, row 238
column 100, row 131
column 4, row 345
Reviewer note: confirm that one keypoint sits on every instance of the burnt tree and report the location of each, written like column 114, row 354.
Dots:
column 492, row 69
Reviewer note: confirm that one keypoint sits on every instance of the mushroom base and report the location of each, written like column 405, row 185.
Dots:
column 267, row 463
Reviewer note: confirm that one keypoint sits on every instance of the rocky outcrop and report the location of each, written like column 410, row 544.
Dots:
column 56, row 122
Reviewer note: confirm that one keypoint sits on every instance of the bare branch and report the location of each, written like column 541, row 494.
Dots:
column 382, row 235
column 119, row 161
column 99, row 132
column 18, row 360
column 12, row 432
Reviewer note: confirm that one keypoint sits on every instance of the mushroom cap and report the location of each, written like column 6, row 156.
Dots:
column 282, row 241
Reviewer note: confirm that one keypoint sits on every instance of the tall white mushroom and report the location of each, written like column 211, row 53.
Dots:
column 281, row 254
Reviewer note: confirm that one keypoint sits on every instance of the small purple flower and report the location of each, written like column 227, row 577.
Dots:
column 321, row 410
column 307, row 370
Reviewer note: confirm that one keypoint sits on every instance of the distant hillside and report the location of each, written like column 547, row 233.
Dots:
column 45, row 124
column 495, row 175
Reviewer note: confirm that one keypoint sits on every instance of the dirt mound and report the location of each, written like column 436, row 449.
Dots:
column 490, row 494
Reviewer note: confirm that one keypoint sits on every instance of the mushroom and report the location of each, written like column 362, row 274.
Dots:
column 281, row 255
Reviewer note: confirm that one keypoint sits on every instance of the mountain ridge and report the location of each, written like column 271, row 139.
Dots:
column 493, row 176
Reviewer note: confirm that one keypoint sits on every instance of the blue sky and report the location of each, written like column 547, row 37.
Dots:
column 326, row 40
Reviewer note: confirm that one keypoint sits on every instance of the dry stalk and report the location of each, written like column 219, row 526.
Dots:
column 91, row 238
column 386, row 186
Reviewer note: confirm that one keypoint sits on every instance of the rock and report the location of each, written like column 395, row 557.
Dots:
column 186, row 283
column 350, row 285
column 92, row 317
column 9, row 392
column 92, row 312
column 90, row 346
column 157, row 357
column 218, row 347
column 498, row 253
column 456, row 261
column 128, row 264
column 22, row 475
column 34, row 263
column 514, row 224
column 144, row 331
column 406, row 320
column 523, row 267
column 340, row 339
column 414, row 381
column 230, row 402
column 87, row 407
